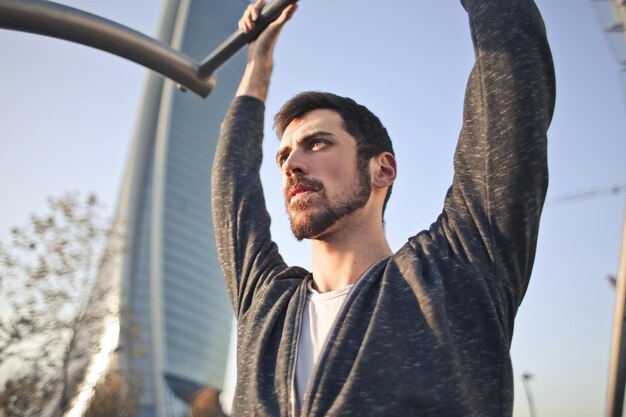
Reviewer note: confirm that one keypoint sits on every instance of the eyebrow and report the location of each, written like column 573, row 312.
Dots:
column 306, row 138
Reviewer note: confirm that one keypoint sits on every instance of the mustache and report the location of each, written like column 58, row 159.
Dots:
column 295, row 181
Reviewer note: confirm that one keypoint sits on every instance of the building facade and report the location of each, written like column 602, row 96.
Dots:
column 172, row 290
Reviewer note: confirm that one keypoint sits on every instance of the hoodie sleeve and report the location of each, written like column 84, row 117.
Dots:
column 246, row 252
column 491, row 212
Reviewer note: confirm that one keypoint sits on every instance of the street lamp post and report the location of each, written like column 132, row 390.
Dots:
column 617, row 369
column 526, row 377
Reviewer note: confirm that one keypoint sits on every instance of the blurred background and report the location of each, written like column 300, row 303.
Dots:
column 75, row 119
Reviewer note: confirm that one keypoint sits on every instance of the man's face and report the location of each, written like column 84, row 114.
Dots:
column 322, row 180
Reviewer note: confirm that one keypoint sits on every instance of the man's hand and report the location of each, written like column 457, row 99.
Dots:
column 255, row 80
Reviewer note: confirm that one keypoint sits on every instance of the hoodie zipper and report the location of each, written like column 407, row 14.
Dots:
column 322, row 358
column 292, row 390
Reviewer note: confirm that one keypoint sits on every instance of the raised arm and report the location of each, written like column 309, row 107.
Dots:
column 242, row 225
column 491, row 215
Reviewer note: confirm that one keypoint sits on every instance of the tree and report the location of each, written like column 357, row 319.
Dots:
column 21, row 393
column 116, row 395
column 206, row 404
column 47, row 275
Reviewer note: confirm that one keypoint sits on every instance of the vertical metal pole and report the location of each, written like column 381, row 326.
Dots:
column 617, row 368
column 526, row 377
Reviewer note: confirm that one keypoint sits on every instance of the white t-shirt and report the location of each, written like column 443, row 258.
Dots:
column 320, row 312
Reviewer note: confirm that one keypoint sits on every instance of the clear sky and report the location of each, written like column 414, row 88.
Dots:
column 67, row 114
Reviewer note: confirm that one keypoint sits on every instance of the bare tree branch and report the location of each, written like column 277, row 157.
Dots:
column 47, row 273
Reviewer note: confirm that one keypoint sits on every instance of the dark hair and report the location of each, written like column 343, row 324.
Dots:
column 371, row 136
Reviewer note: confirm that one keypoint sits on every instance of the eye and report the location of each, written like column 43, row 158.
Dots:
column 281, row 159
column 318, row 144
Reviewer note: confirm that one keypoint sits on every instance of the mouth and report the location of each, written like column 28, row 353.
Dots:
column 300, row 190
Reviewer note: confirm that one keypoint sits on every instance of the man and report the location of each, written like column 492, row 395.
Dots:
column 425, row 331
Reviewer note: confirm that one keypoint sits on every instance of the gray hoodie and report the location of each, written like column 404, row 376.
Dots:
column 427, row 331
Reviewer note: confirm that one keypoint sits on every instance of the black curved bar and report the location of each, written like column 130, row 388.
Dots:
column 238, row 40
column 64, row 22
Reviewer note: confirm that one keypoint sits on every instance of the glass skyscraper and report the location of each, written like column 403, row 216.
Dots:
column 172, row 288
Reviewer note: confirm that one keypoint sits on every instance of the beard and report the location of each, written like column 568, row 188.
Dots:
column 307, row 225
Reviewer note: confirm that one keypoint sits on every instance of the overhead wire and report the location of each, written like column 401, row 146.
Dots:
column 585, row 194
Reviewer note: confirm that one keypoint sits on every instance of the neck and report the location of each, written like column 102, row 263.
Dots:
column 340, row 257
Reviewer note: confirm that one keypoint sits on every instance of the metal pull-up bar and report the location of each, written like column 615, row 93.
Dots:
column 64, row 22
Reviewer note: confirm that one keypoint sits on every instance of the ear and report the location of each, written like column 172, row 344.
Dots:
column 384, row 170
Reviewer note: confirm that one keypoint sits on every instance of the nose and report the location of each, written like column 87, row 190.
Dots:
column 295, row 164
